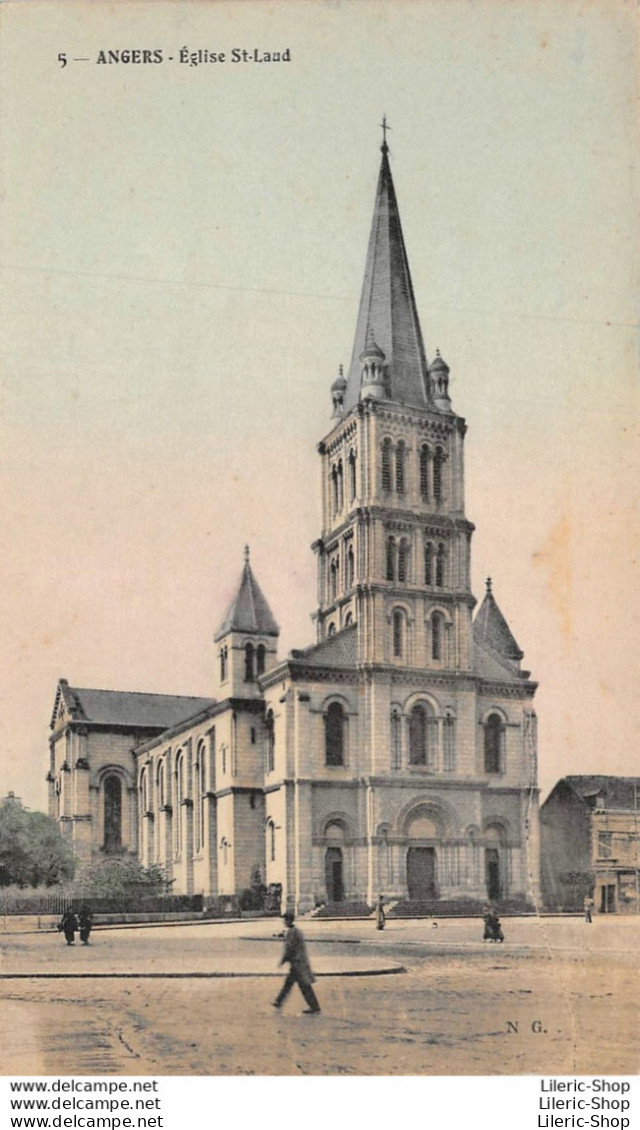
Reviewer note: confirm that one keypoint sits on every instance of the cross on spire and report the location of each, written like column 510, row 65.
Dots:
column 384, row 148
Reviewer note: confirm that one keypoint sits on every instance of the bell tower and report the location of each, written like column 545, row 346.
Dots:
column 394, row 551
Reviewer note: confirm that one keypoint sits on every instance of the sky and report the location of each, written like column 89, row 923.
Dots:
column 182, row 250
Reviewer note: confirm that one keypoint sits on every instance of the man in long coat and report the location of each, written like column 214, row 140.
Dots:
column 295, row 954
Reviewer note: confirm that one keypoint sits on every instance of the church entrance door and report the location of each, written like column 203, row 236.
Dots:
column 421, row 873
column 492, row 871
column 334, row 877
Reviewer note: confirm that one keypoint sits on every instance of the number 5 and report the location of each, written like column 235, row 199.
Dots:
column 62, row 59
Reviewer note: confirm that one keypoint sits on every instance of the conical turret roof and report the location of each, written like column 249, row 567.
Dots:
column 491, row 629
column 248, row 611
column 388, row 312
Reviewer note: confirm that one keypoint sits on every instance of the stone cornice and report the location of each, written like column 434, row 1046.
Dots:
column 489, row 687
column 429, row 420
column 241, row 790
column 442, row 678
column 85, row 727
column 299, row 671
column 437, row 781
column 337, row 433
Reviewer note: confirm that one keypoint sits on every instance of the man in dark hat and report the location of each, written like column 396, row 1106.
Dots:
column 295, row 953
column 69, row 924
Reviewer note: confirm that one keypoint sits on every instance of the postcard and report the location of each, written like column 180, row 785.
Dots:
column 320, row 547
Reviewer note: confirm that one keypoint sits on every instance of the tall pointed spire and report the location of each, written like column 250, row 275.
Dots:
column 388, row 312
column 248, row 611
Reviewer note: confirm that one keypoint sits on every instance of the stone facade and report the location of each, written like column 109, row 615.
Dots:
column 398, row 752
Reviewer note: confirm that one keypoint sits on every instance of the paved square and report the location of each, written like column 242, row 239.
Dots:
column 557, row 997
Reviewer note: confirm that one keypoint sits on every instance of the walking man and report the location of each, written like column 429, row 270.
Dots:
column 68, row 925
column 295, row 954
column 380, row 915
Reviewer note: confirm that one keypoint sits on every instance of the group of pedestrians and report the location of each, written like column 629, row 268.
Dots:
column 294, row 953
column 71, row 923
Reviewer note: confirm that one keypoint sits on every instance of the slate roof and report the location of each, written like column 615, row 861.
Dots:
column 491, row 629
column 617, row 792
column 388, row 312
column 248, row 611
column 493, row 667
column 336, row 651
column 129, row 708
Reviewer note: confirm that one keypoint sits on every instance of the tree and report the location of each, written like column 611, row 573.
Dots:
column 14, row 863
column 50, row 856
column 120, row 876
column 32, row 851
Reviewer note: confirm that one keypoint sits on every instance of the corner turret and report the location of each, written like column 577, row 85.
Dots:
column 337, row 394
column 374, row 370
column 439, row 383
column 491, row 631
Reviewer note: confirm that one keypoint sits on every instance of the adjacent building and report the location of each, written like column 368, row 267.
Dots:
column 590, row 844
column 397, row 753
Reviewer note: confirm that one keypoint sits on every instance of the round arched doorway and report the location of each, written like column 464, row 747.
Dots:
column 334, row 863
column 494, row 863
column 422, row 859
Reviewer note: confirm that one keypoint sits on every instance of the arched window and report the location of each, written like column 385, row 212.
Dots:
column 422, row 736
column 143, row 816
column 440, row 560
column 334, row 724
column 424, row 472
column 428, row 563
column 271, row 741
column 351, row 567
column 112, row 813
column 418, row 736
column 390, row 564
column 198, row 800
column 340, row 487
column 398, row 634
column 223, row 664
column 179, row 795
column 212, row 756
column 448, row 743
column 403, row 560
column 333, row 578
column 271, row 841
column 248, row 663
column 386, row 465
column 352, row 475
column 334, row 489
column 162, row 800
column 331, row 630
column 396, row 754
column 437, row 636
column 438, row 460
column 261, row 653
column 224, row 844
column 144, row 791
column 400, row 467
column 493, row 743
column 348, row 620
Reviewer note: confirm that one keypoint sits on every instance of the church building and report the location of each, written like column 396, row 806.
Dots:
column 397, row 753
